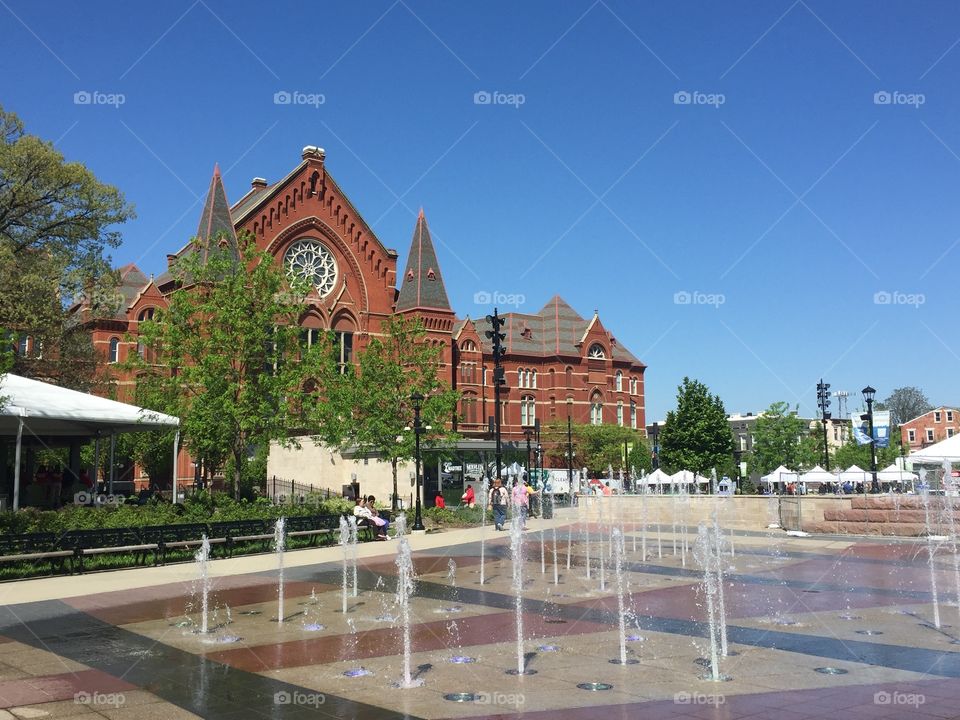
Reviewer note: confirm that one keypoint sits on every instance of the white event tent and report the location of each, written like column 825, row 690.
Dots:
column 686, row 477
column 45, row 410
column 658, row 477
column 946, row 450
column 817, row 475
column 893, row 474
column 780, row 475
column 855, row 474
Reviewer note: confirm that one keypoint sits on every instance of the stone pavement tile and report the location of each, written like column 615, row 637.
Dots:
column 29, row 661
column 471, row 630
column 78, row 685
column 132, row 606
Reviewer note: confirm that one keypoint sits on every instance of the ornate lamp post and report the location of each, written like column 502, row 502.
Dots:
column 868, row 395
column 655, row 430
column 418, row 429
column 570, row 447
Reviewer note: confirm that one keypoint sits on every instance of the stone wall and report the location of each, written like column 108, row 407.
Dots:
column 901, row 515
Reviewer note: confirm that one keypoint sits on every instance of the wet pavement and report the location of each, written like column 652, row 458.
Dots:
column 817, row 627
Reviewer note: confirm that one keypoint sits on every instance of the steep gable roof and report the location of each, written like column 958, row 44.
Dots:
column 422, row 286
column 216, row 229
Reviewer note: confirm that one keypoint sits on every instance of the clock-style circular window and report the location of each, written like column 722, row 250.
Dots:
column 312, row 261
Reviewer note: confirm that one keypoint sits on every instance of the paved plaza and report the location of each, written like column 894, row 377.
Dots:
column 817, row 627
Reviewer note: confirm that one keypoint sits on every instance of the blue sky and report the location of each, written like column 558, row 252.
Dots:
column 755, row 194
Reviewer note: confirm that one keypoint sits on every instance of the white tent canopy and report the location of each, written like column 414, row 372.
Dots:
column 686, row 477
column 45, row 410
column 895, row 474
column 855, row 474
column 948, row 450
column 780, row 475
column 817, row 475
column 50, row 410
column 658, row 477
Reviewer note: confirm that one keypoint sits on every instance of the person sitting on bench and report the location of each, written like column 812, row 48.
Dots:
column 365, row 512
column 382, row 523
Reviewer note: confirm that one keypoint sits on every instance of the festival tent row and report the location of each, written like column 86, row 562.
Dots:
column 48, row 412
column 852, row 474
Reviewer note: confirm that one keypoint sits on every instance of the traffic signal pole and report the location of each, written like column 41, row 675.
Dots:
column 497, row 337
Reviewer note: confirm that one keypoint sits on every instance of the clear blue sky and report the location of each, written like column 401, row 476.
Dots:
column 794, row 200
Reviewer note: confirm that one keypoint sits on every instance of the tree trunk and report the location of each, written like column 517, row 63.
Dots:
column 393, row 502
column 237, row 459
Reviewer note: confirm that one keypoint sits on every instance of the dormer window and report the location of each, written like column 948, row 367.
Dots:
column 431, row 275
column 410, row 274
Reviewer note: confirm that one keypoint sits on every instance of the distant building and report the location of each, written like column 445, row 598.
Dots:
column 931, row 427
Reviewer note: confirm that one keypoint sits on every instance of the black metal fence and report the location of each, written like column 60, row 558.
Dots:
column 281, row 490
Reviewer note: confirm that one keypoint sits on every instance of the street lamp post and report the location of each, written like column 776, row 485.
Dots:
column 570, row 446
column 656, row 448
column 418, row 430
column 737, row 454
column 868, row 395
column 528, row 434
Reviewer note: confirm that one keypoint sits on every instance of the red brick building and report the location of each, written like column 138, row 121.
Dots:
column 556, row 360
column 932, row 427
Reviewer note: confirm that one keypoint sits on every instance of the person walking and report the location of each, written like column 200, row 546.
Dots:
column 521, row 502
column 498, row 501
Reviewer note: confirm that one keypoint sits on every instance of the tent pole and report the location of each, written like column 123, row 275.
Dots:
column 113, row 447
column 96, row 464
column 176, row 451
column 16, row 467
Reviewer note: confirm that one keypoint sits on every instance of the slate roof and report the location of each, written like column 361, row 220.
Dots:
column 422, row 282
column 216, row 223
column 555, row 330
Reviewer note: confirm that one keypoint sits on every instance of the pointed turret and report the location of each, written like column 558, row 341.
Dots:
column 422, row 286
column 216, row 224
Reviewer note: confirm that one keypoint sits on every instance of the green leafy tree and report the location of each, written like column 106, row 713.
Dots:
column 227, row 357
column 696, row 436
column 55, row 208
column 641, row 456
column 56, row 221
column 595, row 447
column 391, row 368
column 853, row 454
column 782, row 438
